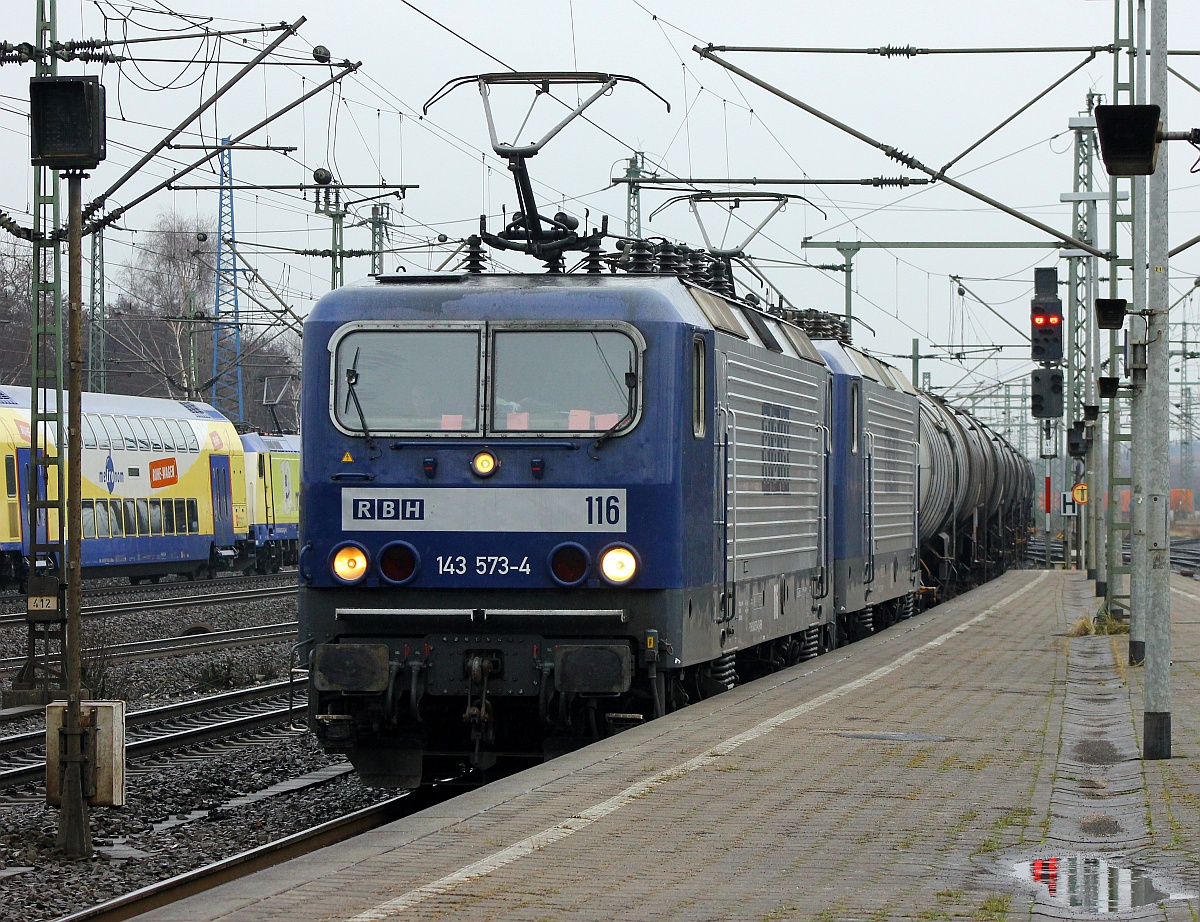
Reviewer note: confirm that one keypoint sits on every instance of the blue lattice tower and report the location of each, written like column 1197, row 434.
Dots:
column 227, row 337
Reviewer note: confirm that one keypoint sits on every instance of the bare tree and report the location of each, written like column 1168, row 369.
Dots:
column 16, row 281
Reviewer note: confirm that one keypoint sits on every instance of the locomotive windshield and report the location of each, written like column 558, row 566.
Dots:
column 405, row 380
column 561, row 381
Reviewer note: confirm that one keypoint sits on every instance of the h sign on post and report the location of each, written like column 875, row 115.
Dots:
column 1068, row 507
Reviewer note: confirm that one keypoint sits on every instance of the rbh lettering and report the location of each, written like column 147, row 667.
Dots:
column 385, row 510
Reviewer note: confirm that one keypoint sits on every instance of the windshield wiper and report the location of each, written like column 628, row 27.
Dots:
column 352, row 394
column 631, row 388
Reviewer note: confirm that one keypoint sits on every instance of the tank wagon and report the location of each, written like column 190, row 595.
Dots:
column 169, row 487
column 538, row 509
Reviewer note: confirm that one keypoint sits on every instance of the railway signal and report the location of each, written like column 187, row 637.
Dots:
column 1046, row 319
column 1047, row 390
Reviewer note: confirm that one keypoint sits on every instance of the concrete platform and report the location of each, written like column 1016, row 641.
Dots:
column 974, row 762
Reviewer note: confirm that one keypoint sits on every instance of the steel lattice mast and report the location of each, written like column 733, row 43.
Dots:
column 227, row 336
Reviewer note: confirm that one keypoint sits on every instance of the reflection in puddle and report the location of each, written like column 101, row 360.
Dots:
column 1091, row 884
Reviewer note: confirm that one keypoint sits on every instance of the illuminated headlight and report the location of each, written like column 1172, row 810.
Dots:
column 484, row 464
column 350, row 563
column 618, row 565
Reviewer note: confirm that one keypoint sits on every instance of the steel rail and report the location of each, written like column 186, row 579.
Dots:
column 32, row 772
column 188, row 601
column 173, row 646
column 245, row 863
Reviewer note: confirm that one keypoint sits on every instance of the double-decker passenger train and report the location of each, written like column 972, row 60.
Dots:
column 169, row 487
column 538, row 509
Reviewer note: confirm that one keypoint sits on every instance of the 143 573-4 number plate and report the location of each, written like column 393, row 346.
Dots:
column 482, row 565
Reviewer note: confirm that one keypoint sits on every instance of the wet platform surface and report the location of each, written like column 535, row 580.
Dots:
column 972, row 763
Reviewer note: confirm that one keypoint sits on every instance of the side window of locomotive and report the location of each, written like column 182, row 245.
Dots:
column 699, row 376
column 89, row 437
column 407, row 381
column 10, row 475
column 164, row 433
column 114, row 517
column 563, row 381
column 853, row 416
column 127, row 432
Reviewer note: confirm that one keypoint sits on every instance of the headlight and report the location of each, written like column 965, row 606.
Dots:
column 350, row 563
column 618, row 565
column 484, row 464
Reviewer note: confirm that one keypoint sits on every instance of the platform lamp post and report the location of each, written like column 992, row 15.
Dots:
column 1129, row 145
column 67, row 134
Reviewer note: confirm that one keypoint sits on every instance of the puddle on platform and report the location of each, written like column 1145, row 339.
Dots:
column 1092, row 884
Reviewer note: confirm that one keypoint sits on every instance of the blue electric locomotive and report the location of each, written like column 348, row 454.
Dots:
column 539, row 508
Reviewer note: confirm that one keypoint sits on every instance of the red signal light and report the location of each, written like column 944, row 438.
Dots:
column 1039, row 320
column 1054, row 319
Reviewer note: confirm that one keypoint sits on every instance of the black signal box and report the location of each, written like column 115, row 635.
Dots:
column 67, row 128
column 1047, row 393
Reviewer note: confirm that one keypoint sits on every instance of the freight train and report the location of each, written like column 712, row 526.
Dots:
column 168, row 487
column 538, row 509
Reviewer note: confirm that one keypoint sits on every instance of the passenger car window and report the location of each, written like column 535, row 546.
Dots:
column 127, row 432
column 101, row 518
column 143, row 436
column 89, row 437
column 164, row 434
column 109, row 425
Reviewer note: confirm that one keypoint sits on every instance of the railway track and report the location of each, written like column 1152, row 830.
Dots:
column 167, row 728
column 220, row 597
column 11, row 597
column 1185, row 553
column 173, row 646
column 272, row 853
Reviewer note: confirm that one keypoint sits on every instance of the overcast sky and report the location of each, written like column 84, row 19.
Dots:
column 370, row 130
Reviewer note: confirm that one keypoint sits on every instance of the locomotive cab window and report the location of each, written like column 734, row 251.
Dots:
column 698, row 379
column 10, row 475
column 407, row 380
column 583, row 381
